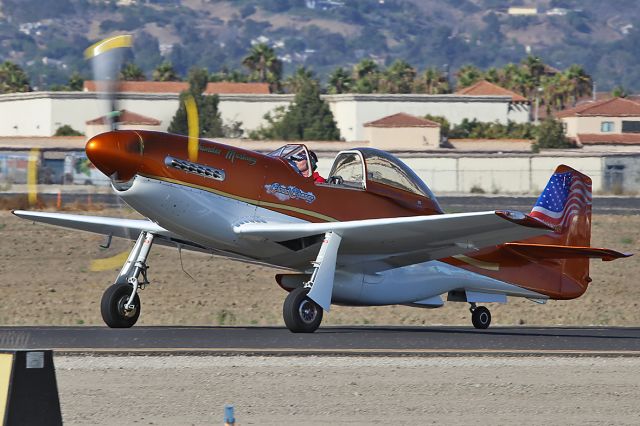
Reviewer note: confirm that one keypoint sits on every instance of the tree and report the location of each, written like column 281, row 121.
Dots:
column 76, row 82
column 433, row 82
column 307, row 118
column 340, row 82
column 366, row 75
column 619, row 92
column 399, row 77
column 67, row 130
column 551, row 135
column 165, row 72
column 295, row 82
column 209, row 120
column 132, row 72
column 13, row 78
column 581, row 84
column 264, row 66
column 468, row 75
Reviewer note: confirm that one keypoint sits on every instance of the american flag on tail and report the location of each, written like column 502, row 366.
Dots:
column 565, row 196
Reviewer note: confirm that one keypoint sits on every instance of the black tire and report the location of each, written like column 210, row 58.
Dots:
column 112, row 306
column 481, row 317
column 301, row 314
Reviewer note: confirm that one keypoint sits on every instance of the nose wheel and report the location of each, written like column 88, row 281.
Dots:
column 480, row 316
column 115, row 308
column 301, row 314
column 120, row 305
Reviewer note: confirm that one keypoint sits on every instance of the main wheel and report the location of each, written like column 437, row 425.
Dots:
column 481, row 317
column 301, row 314
column 112, row 306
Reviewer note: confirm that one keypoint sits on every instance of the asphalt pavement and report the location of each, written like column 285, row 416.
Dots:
column 358, row 340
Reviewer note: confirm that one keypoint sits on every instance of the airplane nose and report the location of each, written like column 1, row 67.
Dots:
column 117, row 154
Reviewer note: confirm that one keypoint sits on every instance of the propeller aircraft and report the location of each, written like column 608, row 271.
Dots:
column 372, row 234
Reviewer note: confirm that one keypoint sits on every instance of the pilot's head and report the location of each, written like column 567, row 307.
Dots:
column 302, row 163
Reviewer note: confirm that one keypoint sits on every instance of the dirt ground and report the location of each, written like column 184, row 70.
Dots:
column 348, row 390
column 47, row 279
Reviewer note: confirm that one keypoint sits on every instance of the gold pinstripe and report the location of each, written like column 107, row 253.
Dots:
column 246, row 200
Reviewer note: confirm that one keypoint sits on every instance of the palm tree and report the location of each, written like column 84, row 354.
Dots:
column 400, row 77
column 297, row 80
column 165, row 72
column 366, row 75
column 132, row 72
column 13, row 78
column 264, row 65
column 434, row 81
column 340, row 81
column 468, row 75
column 580, row 81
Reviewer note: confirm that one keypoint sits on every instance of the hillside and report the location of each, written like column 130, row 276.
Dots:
column 322, row 34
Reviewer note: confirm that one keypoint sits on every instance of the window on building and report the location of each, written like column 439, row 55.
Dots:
column 606, row 127
column 631, row 127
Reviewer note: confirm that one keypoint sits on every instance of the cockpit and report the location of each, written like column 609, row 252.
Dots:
column 354, row 169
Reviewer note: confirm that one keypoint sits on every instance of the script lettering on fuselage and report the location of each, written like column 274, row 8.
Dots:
column 233, row 155
column 210, row 149
column 287, row 192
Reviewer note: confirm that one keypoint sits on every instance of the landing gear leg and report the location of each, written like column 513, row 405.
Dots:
column 480, row 316
column 120, row 305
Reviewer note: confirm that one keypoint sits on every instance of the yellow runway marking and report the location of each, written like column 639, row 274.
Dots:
column 108, row 263
column 6, row 362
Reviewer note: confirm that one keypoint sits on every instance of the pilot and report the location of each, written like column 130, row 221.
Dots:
column 302, row 164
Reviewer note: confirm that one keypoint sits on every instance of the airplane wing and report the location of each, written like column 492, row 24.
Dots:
column 393, row 242
column 116, row 227
column 125, row 228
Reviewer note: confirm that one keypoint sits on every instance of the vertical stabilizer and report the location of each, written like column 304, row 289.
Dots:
column 565, row 204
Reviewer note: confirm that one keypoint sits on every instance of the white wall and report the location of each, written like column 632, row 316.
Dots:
column 353, row 111
column 507, row 174
column 41, row 113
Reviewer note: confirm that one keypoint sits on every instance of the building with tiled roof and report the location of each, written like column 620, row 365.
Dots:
column 614, row 121
column 402, row 120
column 223, row 87
column 402, row 131
column 126, row 120
column 484, row 88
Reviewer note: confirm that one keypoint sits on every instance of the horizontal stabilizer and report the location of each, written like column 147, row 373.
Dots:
column 546, row 251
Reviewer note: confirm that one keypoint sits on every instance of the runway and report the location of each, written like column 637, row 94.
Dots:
column 361, row 340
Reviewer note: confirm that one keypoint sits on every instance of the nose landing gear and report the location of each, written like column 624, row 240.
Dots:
column 120, row 305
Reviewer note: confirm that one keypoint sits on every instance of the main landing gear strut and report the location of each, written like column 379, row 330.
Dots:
column 303, row 307
column 120, row 305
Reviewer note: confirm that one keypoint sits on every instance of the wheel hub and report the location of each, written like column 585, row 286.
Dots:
column 126, row 313
column 308, row 311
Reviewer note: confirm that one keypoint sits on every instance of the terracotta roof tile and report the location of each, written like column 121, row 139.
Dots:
column 180, row 86
column 611, row 139
column 128, row 118
column 484, row 88
column 614, row 107
column 402, row 120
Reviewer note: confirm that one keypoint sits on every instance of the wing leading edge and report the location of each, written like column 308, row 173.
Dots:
column 394, row 242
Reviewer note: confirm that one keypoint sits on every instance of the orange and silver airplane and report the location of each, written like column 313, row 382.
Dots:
column 373, row 234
